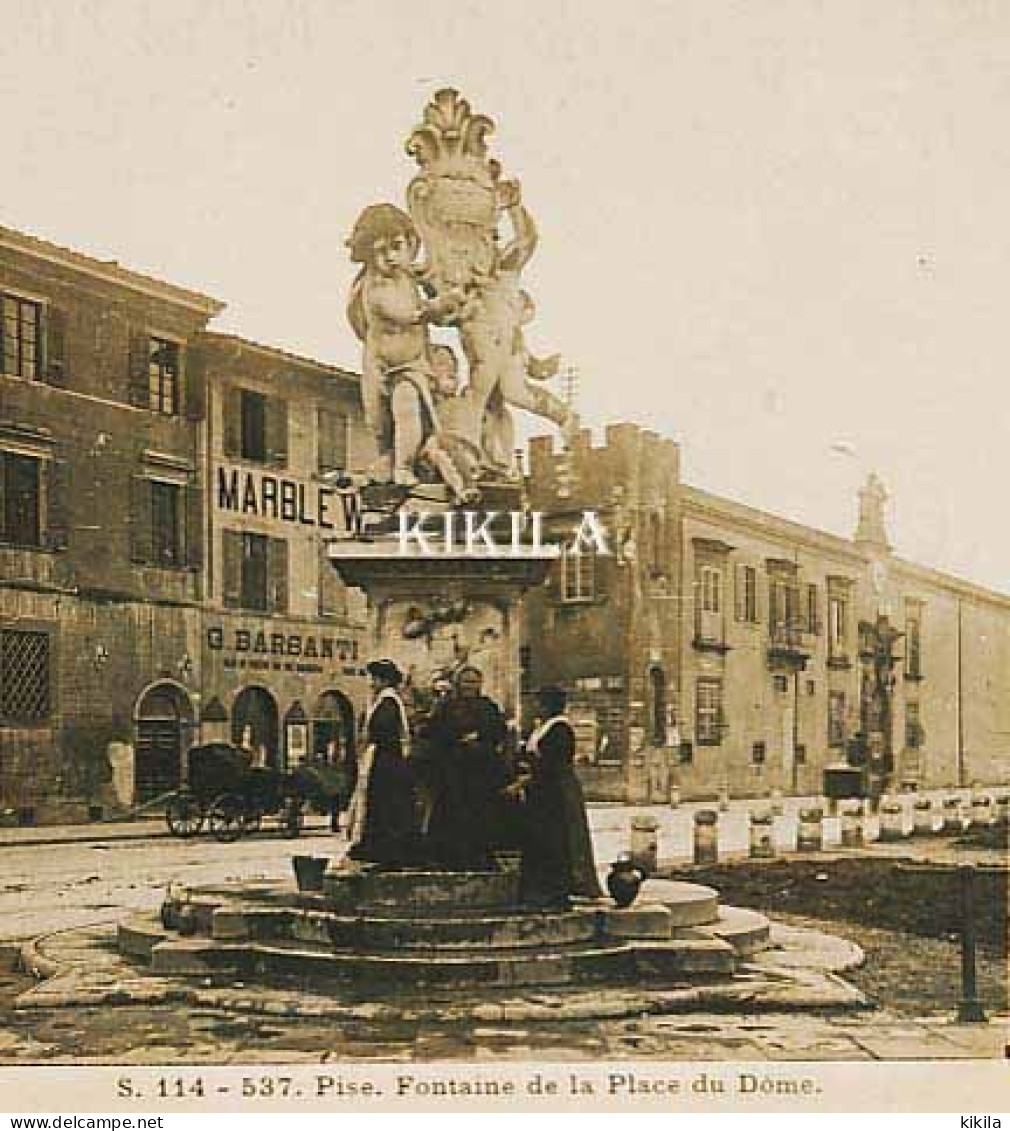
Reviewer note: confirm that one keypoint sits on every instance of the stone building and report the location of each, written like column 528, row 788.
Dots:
column 721, row 647
column 281, row 637
column 164, row 493
column 101, row 545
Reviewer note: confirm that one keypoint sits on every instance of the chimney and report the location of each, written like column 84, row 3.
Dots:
column 871, row 531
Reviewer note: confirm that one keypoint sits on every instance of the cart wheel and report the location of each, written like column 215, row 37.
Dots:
column 183, row 815
column 226, row 819
column 291, row 818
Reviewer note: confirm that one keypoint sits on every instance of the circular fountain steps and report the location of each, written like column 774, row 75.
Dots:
column 396, row 929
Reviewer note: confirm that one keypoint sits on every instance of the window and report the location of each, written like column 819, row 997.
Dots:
column 578, row 576
column 813, row 609
column 332, row 591
column 836, row 718
column 708, row 711
column 20, row 499
column 838, row 615
column 163, row 376
column 913, row 640
column 163, row 517
column 254, row 425
column 758, row 753
column 332, row 440
column 24, row 676
column 166, row 524
column 255, row 572
column 708, row 594
column 746, row 594
column 913, row 726
column 21, row 336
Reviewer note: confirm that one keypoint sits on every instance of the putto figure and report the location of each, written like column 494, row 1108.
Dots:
column 391, row 316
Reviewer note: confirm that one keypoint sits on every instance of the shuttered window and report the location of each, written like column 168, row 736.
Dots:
column 578, row 574
column 163, row 376
column 21, row 336
column 332, row 433
column 20, row 499
column 164, row 524
column 255, row 572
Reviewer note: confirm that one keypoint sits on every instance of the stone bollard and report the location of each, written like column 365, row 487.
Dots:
column 810, row 834
column 723, row 798
column 892, row 820
column 777, row 807
column 1003, row 809
column 644, row 848
column 981, row 810
column 762, row 842
column 706, row 837
column 674, row 796
column 922, row 817
column 851, row 813
column 953, row 821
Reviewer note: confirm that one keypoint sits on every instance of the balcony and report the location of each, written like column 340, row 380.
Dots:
column 789, row 648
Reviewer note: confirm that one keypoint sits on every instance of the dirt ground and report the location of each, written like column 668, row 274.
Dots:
column 908, row 930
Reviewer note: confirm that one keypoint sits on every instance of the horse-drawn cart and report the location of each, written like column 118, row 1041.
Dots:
column 231, row 797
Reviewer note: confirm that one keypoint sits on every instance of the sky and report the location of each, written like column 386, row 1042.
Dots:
column 777, row 232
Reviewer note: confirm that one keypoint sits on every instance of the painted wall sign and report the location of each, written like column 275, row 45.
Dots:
column 253, row 493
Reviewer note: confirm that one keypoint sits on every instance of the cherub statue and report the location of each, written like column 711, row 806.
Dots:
column 391, row 316
column 491, row 332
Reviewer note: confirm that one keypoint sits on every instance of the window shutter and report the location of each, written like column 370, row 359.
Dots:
column 332, row 591
column 277, row 575
column 194, row 388
column 277, row 431
column 739, row 591
column 140, row 353
column 58, row 504
column 552, row 583
column 603, row 565
column 231, row 425
column 141, row 520
column 814, row 609
column 332, row 433
column 232, row 549
column 3, row 493
column 56, row 345
column 193, row 529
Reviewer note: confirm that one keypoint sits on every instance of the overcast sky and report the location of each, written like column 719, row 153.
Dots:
column 769, row 229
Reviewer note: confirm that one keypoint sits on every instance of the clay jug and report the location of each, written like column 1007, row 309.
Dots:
column 624, row 881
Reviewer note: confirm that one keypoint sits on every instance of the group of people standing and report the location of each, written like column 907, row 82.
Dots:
column 454, row 793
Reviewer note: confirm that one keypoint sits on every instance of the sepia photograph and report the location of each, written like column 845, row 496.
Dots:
column 503, row 603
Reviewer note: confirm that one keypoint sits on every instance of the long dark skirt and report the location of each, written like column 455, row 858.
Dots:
column 557, row 851
column 390, row 834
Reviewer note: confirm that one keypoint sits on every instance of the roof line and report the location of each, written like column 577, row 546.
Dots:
column 109, row 271
column 286, row 355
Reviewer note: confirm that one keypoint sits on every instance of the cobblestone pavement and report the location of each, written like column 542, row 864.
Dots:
column 163, row 1034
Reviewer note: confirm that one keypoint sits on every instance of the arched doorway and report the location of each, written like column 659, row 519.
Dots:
column 657, row 696
column 333, row 726
column 164, row 720
column 254, row 725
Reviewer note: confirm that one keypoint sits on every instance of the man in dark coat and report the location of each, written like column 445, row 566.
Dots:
column 557, row 854
column 466, row 774
column 382, row 823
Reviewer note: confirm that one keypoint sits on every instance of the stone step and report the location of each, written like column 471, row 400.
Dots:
column 370, row 932
column 681, row 959
column 690, row 905
column 746, row 931
column 137, row 937
column 428, row 893
column 377, row 972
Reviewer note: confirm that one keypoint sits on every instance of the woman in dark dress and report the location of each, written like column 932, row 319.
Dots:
column 466, row 774
column 557, row 851
column 382, row 823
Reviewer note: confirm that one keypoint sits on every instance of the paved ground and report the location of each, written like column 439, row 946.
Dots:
column 75, row 879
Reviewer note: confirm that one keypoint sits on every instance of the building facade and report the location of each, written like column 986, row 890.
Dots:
column 736, row 650
column 281, row 636
column 164, row 493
